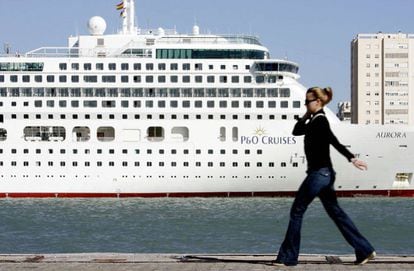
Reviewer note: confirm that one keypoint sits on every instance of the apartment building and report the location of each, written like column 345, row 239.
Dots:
column 382, row 86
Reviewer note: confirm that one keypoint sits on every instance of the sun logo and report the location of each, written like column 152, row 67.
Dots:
column 260, row 131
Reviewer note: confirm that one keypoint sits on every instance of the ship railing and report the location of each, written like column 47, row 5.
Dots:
column 209, row 39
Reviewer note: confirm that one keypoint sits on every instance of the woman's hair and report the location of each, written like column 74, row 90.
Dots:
column 323, row 94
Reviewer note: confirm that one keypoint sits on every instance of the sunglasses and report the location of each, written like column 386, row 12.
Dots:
column 309, row 101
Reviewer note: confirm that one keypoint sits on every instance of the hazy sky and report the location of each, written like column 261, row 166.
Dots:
column 316, row 34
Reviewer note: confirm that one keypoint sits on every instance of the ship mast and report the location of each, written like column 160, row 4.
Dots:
column 128, row 24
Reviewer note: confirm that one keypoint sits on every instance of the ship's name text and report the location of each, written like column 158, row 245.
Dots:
column 268, row 140
column 391, row 135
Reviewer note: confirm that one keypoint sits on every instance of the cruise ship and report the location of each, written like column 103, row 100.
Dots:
column 155, row 113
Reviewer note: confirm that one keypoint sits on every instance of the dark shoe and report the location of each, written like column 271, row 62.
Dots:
column 279, row 263
column 367, row 259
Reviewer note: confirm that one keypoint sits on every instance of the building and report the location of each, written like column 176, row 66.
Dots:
column 381, row 79
column 344, row 111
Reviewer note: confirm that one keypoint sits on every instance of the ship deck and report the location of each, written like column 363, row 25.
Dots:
column 200, row 262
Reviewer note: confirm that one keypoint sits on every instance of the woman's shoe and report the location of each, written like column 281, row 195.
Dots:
column 367, row 259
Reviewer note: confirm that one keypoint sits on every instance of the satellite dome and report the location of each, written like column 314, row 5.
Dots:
column 96, row 25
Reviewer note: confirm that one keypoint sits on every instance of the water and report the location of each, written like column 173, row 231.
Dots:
column 196, row 225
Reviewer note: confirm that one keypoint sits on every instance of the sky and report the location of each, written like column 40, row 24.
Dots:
column 316, row 34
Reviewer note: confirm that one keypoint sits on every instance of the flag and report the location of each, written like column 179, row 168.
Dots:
column 120, row 6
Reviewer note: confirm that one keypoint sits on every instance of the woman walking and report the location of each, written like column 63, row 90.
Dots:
column 320, row 180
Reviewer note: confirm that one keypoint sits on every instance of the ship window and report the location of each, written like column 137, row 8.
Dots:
column 3, row 134
column 272, row 92
column 174, row 78
column 296, row 104
column 199, row 79
column 105, row 134
column 283, row 164
column 124, row 104
column 186, row 66
column 211, row 92
column 259, row 104
column 149, row 104
column 75, row 92
column 99, row 66
column 136, row 164
column 26, row 78
column 174, row 66
column 108, row 104
column 38, row 103
column 62, row 79
column 81, row 134
column 210, row 117
column 180, row 133
column 90, row 79
column 260, row 79
column 155, row 133
column 13, row 78
column 90, row 103
column 111, row 116
column 259, row 117
column 271, row 117
column 108, row 79
column 223, row 92
column 284, row 104
column 124, row 66
column 38, row 78
column 74, row 103
column 247, row 164
column 137, row 79
column 210, row 104
column 112, row 66
column 161, row 79
column 50, row 103
column 149, row 66
column 222, row 67
column 137, row 103
column 260, row 92
column 235, row 133
column 149, row 79
column 247, row 104
column 186, row 104
column 247, row 79
column 272, row 104
column 223, row 79
column 137, row 66
column 111, row 151
column 222, row 133
column 210, row 79
column 87, row 66
column 284, row 92
column 99, row 163
column 173, row 104
column 75, row 66
column 161, row 66
column 210, row 164
column 111, row 163
column 235, row 79
column 223, row 104
column 247, row 92
column 198, row 104
column 62, row 103
column 186, row 79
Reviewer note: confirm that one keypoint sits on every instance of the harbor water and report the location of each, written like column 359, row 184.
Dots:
column 195, row 225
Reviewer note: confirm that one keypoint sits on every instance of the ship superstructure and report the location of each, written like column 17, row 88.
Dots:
column 157, row 113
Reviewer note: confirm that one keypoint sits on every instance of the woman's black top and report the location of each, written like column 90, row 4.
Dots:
column 318, row 137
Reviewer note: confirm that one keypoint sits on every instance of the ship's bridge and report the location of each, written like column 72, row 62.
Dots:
column 271, row 67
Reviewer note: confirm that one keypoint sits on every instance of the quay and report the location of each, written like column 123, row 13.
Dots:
column 187, row 262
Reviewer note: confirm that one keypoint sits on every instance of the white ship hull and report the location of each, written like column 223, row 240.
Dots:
column 157, row 114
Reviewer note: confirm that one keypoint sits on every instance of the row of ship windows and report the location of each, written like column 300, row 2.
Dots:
column 260, row 79
column 148, row 116
column 159, row 104
column 146, row 92
column 148, row 164
column 138, row 151
column 139, row 66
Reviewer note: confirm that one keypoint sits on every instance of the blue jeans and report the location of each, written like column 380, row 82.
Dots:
column 319, row 183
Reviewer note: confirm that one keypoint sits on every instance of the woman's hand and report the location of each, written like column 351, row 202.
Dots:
column 359, row 164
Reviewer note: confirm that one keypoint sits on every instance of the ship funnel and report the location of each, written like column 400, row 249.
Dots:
column 128, row 16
